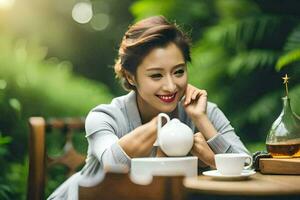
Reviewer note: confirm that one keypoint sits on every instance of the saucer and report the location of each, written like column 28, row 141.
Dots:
column 217, row 175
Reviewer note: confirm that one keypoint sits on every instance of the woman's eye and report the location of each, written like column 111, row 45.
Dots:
column 179, row 72
column 156, row 76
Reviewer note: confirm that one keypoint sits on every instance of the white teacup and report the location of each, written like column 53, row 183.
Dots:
column 232, row 163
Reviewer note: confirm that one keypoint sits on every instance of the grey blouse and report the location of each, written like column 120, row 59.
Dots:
column 106, row 123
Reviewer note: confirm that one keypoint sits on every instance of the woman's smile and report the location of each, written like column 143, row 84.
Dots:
column 167, row 98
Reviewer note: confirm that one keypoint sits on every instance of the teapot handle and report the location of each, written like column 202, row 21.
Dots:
column 159, row 125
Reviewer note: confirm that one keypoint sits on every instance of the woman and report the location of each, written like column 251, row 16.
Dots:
column 152, row 65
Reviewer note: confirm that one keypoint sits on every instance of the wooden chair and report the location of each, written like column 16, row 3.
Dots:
column 40, row 162
column 118, row 185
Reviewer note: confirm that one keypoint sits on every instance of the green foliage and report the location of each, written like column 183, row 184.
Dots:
column 293, row 41
column 174, row 9
column 190, row 15
column 46, row 84
column 235, row 55
column 246, row 62
column 55, row 144
column 4, row 189
column 33, row 85
column 292, row 48
column 256, row 146
column 243, row 33
column 16, row 176
column 288, row 58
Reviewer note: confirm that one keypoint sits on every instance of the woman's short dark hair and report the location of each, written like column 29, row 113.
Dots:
column 141, row 38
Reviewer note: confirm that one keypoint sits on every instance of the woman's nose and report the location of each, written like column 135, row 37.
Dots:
column 169, row 85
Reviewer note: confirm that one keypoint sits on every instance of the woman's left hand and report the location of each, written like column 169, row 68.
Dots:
column 202, row 150
column 195, row 101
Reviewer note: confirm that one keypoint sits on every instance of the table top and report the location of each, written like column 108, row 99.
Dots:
column 257, row 184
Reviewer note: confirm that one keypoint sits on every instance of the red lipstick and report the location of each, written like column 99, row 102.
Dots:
column 167, row 98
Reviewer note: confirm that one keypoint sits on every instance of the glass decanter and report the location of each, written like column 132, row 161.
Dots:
column 283, row 140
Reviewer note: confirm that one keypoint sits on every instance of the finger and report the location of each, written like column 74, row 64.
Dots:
column 198, row 134
column 199, row 138
column 203, row 98
column 203, row 92
column 195, row 94
column 188, row 96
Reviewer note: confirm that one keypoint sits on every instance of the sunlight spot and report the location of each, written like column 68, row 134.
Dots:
column 82, row 12
column 100, row 21
column 6, row 4
column 15, row 104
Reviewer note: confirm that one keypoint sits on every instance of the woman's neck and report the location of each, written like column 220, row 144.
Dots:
column 146, row 111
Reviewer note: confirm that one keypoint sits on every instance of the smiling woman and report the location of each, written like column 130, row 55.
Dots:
column 161, row 87
column 152, row 65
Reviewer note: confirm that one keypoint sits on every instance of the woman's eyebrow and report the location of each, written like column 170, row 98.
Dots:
column 161, row 68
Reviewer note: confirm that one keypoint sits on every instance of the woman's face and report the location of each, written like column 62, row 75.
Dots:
column 161, row 79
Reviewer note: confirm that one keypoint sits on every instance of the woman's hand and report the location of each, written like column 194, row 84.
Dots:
column 195, row 101
column 139, row 141
column 202, row 150
column 195, row 104
column 160, row 153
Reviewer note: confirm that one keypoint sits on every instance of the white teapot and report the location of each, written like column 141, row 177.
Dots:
column 174, row 138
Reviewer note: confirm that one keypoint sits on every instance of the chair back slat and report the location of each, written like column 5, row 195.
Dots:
column 36, row 180
column 40, row 161
column 71, row 159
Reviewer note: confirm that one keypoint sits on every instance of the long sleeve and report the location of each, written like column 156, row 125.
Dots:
column 103, row 140
column 226, row 141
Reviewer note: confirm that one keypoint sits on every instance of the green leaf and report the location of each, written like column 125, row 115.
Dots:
column 251, row 60
column 15, row 104
column 5, row 140
column 241, row 33
column 293, row 41
column 262, row 107
column 288, row 58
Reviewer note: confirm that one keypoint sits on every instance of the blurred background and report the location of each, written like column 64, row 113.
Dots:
column 56, row 59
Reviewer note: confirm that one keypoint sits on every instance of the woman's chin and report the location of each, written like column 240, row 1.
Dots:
column 167, row 109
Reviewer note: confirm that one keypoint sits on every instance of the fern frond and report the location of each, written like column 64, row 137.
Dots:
column 294, row 95
column 246, row 31
column 248, row 61
column 288, row 58
column 262, row 107
column 270, row 102
column 293, row 40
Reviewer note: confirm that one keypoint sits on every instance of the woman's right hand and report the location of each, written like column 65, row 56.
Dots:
column 139, row 141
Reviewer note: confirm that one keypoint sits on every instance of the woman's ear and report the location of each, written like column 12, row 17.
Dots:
column 130, row 78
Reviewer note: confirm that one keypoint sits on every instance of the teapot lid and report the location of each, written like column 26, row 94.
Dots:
column 175, row 120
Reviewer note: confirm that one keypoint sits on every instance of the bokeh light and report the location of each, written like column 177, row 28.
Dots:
column 82, row 12
column 100, row 21
column 6, row 4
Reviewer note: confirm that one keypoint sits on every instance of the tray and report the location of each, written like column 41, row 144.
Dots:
column 279, row 166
